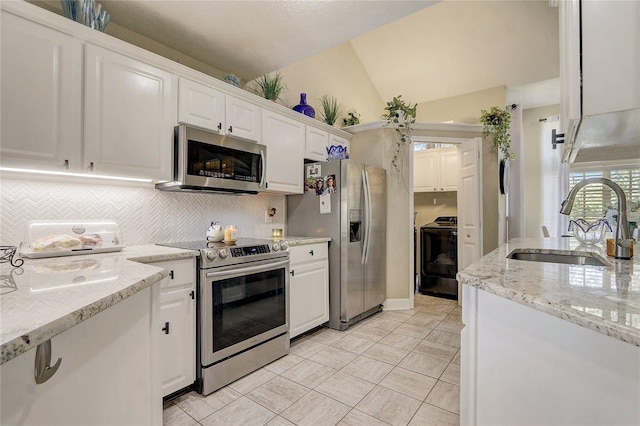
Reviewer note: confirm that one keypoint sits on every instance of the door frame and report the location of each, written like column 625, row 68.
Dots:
column 431, row 139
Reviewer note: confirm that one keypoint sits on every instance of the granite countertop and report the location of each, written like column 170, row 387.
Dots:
column 603, row 299
column 46, row 297
column 301, row 241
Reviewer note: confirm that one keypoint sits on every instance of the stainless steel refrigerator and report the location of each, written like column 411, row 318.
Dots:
column 346, row 201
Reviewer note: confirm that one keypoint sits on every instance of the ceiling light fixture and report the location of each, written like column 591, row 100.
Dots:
column 83, row 175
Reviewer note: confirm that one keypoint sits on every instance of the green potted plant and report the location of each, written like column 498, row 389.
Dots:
column 496, row 121
column 272, row 86
column 352, row 118
column 330, row 109
column 400, row 116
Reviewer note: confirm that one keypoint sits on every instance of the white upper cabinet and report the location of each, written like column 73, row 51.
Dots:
column 435, row 170
column 130, row 113
column 244, row 119
column 316, row 144
column 201, row 106
column 41, row 96
column 610, row 56
column 284, row 138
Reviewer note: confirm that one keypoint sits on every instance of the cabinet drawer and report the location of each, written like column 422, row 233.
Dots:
column 308, row 253
column 182, row 273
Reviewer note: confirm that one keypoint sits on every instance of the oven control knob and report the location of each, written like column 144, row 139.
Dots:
column 223, row 253
column 275, row 246
column 284, row 245
column 212, row 254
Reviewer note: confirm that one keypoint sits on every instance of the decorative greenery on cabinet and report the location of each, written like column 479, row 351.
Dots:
column 272, row 86
column 330, row 109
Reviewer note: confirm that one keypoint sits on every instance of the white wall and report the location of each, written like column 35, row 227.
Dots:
column 541, row 201
column 337, row 72
column 144, row 214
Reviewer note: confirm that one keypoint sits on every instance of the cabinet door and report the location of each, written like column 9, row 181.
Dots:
column 570, row 108
column 425, row 171
column 610, row 56
column 201, row 106
column 177, row 304
column 244, row 119
column 316, row 144
column 449, row 170
column 41, row 96
column 309, row 288
column 130, row 112
column 284, row 139
column 177, row 311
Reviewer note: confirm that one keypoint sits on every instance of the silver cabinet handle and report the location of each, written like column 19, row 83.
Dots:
column 42, row 370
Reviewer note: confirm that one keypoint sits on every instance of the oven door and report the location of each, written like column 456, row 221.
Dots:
column 242, row 306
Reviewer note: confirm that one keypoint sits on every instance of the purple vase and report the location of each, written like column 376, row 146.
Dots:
column 304, row 108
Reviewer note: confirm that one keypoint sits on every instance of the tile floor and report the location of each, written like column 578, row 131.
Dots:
column 394, row 368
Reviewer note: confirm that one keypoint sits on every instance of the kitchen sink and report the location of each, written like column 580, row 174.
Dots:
column 559, row 256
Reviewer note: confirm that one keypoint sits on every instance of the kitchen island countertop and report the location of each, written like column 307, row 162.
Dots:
column 46, row 297
column 603, row 299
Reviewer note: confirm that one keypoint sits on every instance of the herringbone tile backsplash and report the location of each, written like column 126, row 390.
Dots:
column 145, row 215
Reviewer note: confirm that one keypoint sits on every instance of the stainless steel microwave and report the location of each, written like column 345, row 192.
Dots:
column 205, row 161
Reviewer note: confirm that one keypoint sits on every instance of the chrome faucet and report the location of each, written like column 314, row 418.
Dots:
column 623, row 245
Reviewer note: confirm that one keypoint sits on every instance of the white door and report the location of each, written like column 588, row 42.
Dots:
column 284, row 139
column 309, row 296
column 130, row 113
column 244, row 119
column 449, row 170
column 316, row 144
column 425, row 170
column 201, row 106
column 41, row 96
column 469, row 206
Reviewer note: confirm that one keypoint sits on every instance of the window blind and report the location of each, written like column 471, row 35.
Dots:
column 591, row 201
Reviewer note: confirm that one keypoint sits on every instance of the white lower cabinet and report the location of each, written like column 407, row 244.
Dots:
column 109, row 373
column 309, row 287
column 178, row 317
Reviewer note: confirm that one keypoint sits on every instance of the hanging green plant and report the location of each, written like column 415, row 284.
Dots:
column 330, row 109
column 272, row 86
column 496, row 122
column 401, row 116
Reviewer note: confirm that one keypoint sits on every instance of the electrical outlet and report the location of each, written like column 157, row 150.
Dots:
column 267, row 218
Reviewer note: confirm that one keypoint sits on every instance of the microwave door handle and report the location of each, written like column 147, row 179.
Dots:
column 264, row 168
column 244, row 271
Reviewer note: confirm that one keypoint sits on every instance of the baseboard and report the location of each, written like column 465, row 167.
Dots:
column 397, row 304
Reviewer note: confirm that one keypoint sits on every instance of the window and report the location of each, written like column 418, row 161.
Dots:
column 591, row 201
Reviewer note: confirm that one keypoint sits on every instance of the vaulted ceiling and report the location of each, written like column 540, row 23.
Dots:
column 432, row 49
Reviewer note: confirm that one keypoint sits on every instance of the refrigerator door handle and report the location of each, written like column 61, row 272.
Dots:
column 367, row 210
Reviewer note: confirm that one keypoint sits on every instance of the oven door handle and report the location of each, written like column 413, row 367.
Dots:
column 245, row 271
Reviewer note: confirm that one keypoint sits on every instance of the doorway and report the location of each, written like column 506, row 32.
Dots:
column 464, row 201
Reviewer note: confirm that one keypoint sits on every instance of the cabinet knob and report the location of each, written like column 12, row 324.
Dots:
column 293, row 274
column 219, row 126
column 230, row 129
column 43, row 371
column 166, row 328
column 192, row 294
column 171, row 274
column 91, row 166
column 66, row 164
column 556, row 138
column 311, row 252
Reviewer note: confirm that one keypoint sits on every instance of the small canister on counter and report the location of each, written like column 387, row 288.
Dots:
column 611, row 247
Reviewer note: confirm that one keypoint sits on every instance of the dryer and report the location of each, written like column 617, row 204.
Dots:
column 439, row 257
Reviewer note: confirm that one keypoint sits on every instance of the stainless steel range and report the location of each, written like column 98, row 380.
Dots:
column 243, row 308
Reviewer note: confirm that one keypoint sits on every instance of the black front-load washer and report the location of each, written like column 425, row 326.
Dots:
column 439, row 257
